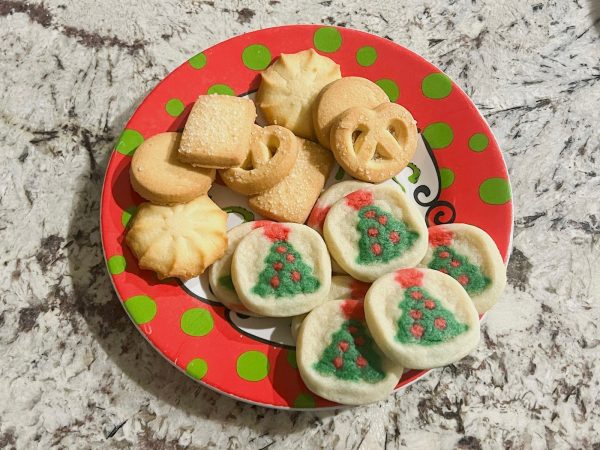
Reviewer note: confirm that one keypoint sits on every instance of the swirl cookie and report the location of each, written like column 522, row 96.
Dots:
column 158, row 176
column 290, row 86
column 374, row 144
column 273, row 153
column 338, row 358
column 337, row 97
column 178, row 241
column 281, row 270
column 373, row 231
column 470, row 256
column 217, row 131
column 421, row 318
column 292, row 199
column 219, row 274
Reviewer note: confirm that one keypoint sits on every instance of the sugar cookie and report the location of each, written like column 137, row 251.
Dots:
column 273, row 153
column 373, row 231
column 217, row 131
column 374, row 144
column 292, row 199
column 470, row 256
column 337, row 97
column 281, row 270
column 338, row 358
column 421, row 318
column 178, row 241
column 219, row 274
column 290, row 86
column 158, row 176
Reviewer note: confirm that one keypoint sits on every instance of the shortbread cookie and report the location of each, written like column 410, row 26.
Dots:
column 374, row 144
column 273, row 153
column 292, row 199
column 373, row 231
column 281, row 270
column 421, row 318
column 470, row 256
column 337, row 97
column 178, row 241
column 217, row 131
column 219, row 274
column 158, row 176
column 338, row 358
column 290, row 86
column 342, row 287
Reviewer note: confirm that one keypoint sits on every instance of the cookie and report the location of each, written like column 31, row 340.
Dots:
column 281, row 270
column 470, row 256
column 219, row 274
column 178, row 241
column 421, row 318
column 337, row 97
column 338, row 358
column 342, row 287
column 374, row 144
column 217, row 131
column 273, row 153
column 292, row 199
column 373, row 231
column 290, row 86
column 158, row 176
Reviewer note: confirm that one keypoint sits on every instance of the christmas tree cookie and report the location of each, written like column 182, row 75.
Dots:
column 339, row 360
column 470, row 256
column 375, row 230
column 219, row 274
column 421, row 318
column 281, row 270
column 342, row 287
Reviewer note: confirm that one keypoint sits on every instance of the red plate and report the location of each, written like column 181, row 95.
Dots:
column 459, row 176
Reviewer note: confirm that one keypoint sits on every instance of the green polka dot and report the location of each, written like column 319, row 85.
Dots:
column 128, row 214
column 436, row 86
column 304, row 401
column 221, row 89
column 366, row 56
column 446, row 177
column 116, row 264
column 390, row 88
column 327, row 39
column 141, row 308
column 197, row 368
column 495, row 191
column 252, row 366
column 174, row 107
column 291, row 358
column 478, row 142
column 198, row 61
column 256, row 57
column 129, row 141
column 438, row 135
column 197, row 322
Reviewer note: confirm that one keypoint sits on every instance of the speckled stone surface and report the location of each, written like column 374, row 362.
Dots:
column 75, row 373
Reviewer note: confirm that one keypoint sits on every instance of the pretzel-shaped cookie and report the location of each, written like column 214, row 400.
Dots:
column 273, row 152
column 374, row 144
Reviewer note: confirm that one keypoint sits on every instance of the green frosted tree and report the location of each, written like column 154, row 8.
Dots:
column 448, row 261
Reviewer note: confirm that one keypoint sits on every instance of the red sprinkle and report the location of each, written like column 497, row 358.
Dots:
column 373, row 232
column 361, row 362
column 463, row 279
column 278, row 265
column 440, row 323
column 416, row 314
column 359, row 341
column 417, row 295
column 290, row 257
column 343, row 346
column 275, row 281
column 443, row 270
column 444, row 254
column 455, row 263
column 352, row 329
column 429, row 304
column 338, row 362
column 370, row 214
column 280, row 249
column 417, row 330
column 382, row 220
column 376, row 249
column 394, row 237
column 295, row 275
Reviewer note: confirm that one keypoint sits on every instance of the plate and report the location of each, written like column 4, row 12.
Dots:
column 457, row 175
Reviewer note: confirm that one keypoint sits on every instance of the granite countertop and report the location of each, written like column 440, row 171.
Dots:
column 75, row 373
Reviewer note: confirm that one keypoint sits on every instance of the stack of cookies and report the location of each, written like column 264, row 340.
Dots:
column 404, row 296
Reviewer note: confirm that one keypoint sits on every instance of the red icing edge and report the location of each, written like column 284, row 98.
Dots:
column 358, row 289
column 409, row 277
column 317, row 216
column 260, row 223
column 275, row 231
column 439, row 236
column 353, row 309
column 358, row 199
